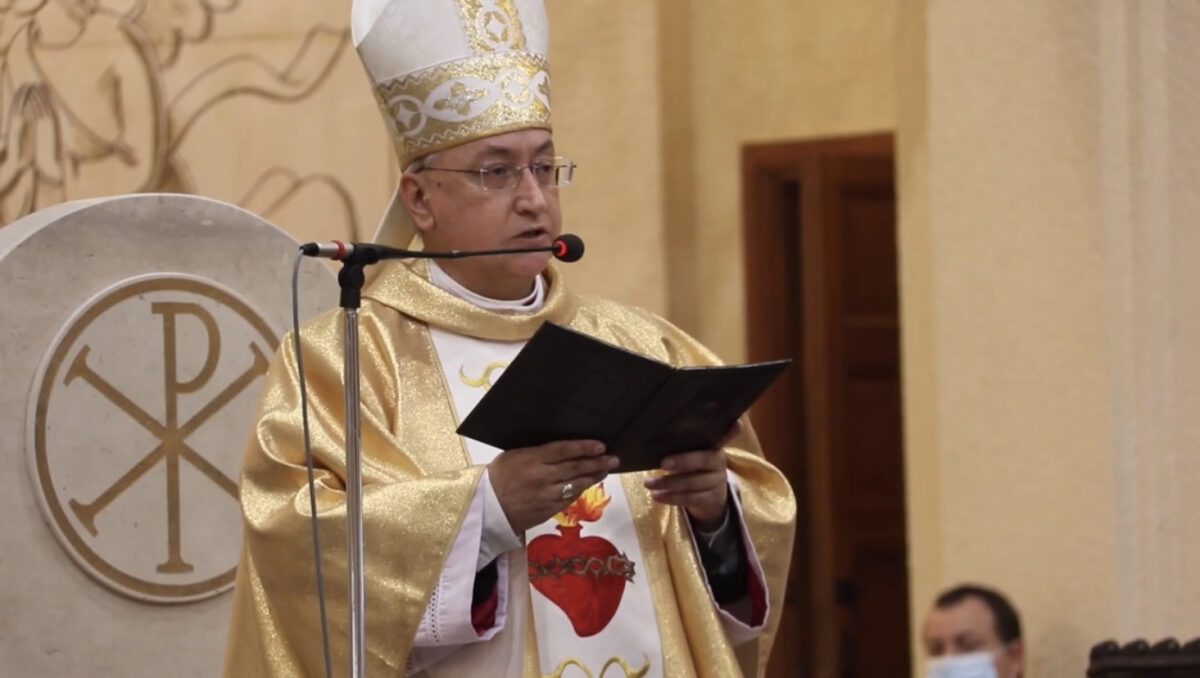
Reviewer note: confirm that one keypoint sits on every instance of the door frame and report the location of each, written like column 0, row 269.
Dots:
column 807, row 637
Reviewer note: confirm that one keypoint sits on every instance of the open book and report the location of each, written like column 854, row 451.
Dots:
column 565, row 385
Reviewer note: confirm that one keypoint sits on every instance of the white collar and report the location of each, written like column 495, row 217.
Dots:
column 528, row 304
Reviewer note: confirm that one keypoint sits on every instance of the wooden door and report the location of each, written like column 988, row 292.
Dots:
column 821, row 266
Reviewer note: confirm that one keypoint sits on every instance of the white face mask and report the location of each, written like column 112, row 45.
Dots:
column 974, row 665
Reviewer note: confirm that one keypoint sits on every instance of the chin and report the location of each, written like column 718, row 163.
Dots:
column 531, row 265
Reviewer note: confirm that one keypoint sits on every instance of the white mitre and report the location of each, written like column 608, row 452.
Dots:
column 446, row 72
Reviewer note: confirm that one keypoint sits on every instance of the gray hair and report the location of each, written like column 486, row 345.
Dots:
column 423, row 162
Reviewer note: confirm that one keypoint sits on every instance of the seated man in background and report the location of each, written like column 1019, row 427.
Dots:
column 973, row 632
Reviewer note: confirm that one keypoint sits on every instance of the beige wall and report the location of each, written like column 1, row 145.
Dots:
column 605, row 75
column 1048, row 186
column 762, row 70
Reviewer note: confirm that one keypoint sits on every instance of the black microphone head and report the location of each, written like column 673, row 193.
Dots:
column 568, row 247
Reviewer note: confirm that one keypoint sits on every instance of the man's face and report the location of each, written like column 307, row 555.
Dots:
column 458, row 214
column 968, row 627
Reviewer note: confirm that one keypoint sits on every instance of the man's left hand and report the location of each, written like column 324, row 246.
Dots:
column 697, row 482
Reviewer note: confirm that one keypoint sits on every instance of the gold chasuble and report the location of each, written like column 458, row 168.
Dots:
column 419, row 482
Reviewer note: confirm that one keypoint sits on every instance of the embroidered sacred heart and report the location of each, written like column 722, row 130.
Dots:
column 584, row 576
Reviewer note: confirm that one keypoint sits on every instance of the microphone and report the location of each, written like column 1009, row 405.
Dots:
column 567, row 247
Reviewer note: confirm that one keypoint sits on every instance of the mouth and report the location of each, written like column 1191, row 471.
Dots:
column 533, row 237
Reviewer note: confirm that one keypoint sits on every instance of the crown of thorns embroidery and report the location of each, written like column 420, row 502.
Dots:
column 616, row 564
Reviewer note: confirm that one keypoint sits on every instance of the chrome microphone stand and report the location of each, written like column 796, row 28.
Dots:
column 351, row 278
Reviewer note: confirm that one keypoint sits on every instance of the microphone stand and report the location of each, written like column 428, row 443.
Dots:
column 351, row 279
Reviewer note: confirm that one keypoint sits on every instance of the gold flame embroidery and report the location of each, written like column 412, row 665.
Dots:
column 588, row 507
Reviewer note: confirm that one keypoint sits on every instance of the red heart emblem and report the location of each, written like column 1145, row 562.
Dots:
column 584, row 576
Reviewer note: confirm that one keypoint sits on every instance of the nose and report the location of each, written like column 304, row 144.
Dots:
column 529, row 194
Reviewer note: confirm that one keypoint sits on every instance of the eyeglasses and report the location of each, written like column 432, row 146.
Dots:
column 548, row 173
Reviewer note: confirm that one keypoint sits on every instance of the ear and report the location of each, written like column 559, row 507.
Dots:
column 416, row 200
column 1016, row 655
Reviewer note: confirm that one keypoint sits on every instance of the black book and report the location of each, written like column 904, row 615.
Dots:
column 565, row 385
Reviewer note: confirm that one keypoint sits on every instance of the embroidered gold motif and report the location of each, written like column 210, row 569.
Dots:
column 515, row 86
column 495, row 27
column 626, row 668
column 629, row 671
column 403, row 116
column 492, row 25
column 460, row 99
column 484, row 380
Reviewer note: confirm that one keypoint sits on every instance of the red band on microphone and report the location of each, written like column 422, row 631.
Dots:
column 341, row 249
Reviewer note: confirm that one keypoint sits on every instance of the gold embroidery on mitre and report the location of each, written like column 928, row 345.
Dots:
column 491, row 25
column 484, row 380
column 629, row 671
column 460, row 101
column 515, row 86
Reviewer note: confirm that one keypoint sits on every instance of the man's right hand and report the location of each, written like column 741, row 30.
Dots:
column 534, row 483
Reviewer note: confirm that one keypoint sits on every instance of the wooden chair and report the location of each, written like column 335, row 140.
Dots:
column 1139, row 659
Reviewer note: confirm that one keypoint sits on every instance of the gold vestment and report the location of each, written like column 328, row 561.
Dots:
column 418, row 483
